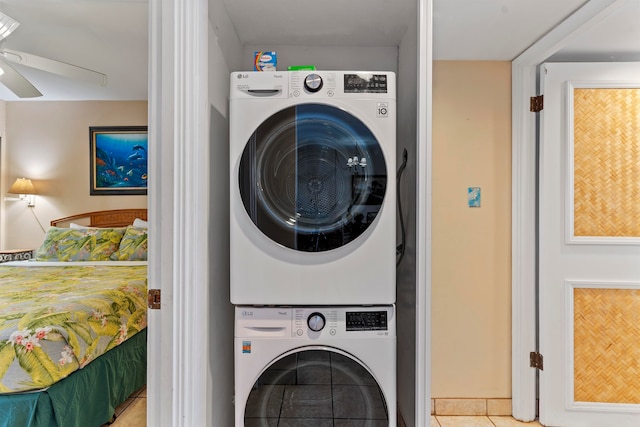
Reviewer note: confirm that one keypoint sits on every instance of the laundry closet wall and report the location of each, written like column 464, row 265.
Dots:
column 471, row 281
column 226, row 54
column 471, row 307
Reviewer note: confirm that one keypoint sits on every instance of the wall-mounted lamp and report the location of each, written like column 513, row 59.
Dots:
column 25, row 189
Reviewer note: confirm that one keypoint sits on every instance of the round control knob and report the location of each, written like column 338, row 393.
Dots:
column 316, row 322
column 313, row 83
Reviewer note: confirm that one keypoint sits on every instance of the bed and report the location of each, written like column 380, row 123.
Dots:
column 73, row 322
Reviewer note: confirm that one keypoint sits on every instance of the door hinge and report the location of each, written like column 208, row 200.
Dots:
column 536, row 360
column 537, row 103
column 153, row 299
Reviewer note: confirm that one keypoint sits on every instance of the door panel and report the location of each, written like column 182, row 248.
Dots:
column 606, row 337
column 589, row 246
column 606, row 162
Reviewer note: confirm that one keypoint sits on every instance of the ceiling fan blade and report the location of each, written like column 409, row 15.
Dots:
column 55, row 67
column 16, row 83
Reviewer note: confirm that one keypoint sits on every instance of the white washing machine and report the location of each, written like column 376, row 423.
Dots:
column 313, row 193
column 315, row 366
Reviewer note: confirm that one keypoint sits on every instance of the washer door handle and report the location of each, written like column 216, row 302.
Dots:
column 262, row 331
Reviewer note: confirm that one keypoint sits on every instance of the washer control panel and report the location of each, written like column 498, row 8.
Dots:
column 315, row 323
column 366, row 320
column 342, row 322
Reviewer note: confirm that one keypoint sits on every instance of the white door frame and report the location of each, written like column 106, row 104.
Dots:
column 179, row 379
column 178, row 201
column 523, row 263
column 177, row 371
column 423, row 213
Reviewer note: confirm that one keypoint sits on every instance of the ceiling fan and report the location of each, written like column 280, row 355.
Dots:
column 22, row 87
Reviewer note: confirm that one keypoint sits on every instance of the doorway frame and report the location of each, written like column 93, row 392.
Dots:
column 177, row 380
column 178, row 386
column 524, row 175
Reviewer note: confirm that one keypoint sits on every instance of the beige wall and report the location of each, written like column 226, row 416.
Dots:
column 49, row 143
column 471, row 313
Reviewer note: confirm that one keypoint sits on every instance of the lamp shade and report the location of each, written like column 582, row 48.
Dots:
column 22, row 186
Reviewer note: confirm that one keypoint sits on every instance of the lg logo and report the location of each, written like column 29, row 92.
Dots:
column 243, row 76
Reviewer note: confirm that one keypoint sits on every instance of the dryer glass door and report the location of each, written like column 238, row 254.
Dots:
column 312, row 177
column 316, row 388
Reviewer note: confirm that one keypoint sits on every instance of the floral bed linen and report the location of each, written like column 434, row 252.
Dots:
column 56, row 319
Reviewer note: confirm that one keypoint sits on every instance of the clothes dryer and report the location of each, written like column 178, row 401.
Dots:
column 317, row 366
column 312, row 181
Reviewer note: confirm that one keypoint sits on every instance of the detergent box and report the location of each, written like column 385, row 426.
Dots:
column 264, row 61
column 302, row 67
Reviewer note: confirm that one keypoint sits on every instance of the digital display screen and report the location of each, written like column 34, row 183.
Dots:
column 365, row 83
column 366, row 320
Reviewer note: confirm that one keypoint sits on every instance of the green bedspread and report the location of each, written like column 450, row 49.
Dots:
column 56, row 320
column 86, row 398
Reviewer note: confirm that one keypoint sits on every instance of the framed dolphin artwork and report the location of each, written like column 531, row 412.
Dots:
column 118, row 160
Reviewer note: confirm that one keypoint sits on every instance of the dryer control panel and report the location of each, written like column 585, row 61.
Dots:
column 330, row 84
column 366, row 83
column 259, row 85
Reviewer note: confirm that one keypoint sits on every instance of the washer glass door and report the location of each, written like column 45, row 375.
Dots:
column 318, row 387
column 312, row 177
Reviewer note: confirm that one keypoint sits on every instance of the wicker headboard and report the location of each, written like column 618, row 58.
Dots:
column 112, row 218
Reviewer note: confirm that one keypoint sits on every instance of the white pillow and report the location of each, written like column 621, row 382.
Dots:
column 74, row 225
column 140, row 223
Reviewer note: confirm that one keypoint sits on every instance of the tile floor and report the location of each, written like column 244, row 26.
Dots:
column 484, row 421
column 133, row 412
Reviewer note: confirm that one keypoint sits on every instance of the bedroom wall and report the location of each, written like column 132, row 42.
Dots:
column 3, row 170
column 48, row 142
column 471, row 288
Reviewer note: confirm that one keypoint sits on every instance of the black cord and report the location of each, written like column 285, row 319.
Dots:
column 401, row 247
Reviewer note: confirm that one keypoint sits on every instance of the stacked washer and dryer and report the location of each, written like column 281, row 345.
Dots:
column 313, row 253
